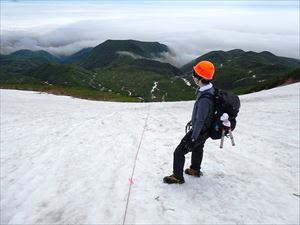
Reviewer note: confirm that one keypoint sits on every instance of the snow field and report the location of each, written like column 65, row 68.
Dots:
column 67, row 160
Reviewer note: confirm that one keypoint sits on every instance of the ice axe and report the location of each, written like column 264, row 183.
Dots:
column 226, row 126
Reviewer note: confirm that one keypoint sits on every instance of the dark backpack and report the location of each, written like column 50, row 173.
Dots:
column 225, row 102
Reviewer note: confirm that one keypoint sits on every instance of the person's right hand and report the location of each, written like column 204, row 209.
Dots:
column 188, row 126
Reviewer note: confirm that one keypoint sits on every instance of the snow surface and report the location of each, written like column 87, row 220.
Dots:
column 69, row 161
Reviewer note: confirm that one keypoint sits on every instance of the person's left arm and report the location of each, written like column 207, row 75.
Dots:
column 201, row 113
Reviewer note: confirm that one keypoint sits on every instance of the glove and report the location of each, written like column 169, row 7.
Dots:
column 188, row 126
column 225, row 118
column 189, row 145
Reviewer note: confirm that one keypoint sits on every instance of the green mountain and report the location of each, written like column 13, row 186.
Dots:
column 76, row 57
column 121, row 51
column 36, row 54
column 24, row 60
column 130, row 70
column 240, row 70
column 122, row 67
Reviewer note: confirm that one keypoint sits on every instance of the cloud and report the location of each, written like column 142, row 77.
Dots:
column 189, row 28
column 131, row 54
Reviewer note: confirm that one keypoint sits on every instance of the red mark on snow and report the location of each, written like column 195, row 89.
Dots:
column 130, row 180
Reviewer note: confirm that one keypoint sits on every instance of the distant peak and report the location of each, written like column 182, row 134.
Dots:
column 131, row 41
column 267, row 53
column 22, row 51
column 236, row 51
column 27, row 51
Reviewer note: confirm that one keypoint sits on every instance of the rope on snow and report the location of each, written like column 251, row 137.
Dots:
column 136, row 155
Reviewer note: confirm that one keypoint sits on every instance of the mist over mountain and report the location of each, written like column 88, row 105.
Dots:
column 188, row 28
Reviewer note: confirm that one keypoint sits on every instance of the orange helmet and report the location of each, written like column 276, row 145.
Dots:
column 205, row 69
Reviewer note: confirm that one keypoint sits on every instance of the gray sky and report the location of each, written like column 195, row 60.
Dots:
column 189, row 28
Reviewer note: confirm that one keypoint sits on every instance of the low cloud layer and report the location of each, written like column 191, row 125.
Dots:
column 189, row 28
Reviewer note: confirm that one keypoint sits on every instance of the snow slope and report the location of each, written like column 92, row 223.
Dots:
column 68, row 161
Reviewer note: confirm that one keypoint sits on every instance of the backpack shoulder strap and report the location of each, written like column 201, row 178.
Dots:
column 210, row 96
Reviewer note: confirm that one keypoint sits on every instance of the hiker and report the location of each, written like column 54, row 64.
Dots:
column 202, row 119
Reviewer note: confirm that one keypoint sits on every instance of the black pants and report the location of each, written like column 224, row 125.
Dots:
column 181, row 151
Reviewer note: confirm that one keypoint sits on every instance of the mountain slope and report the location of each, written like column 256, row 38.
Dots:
column 289, row 78
column 149, row 80
column 240, row 69
column 68, row 161
column 149, row 83
column 76, row 57
column 70, row 75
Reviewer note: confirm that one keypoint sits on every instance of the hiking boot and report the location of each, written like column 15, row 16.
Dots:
column 193, row 172
column 172, row 179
